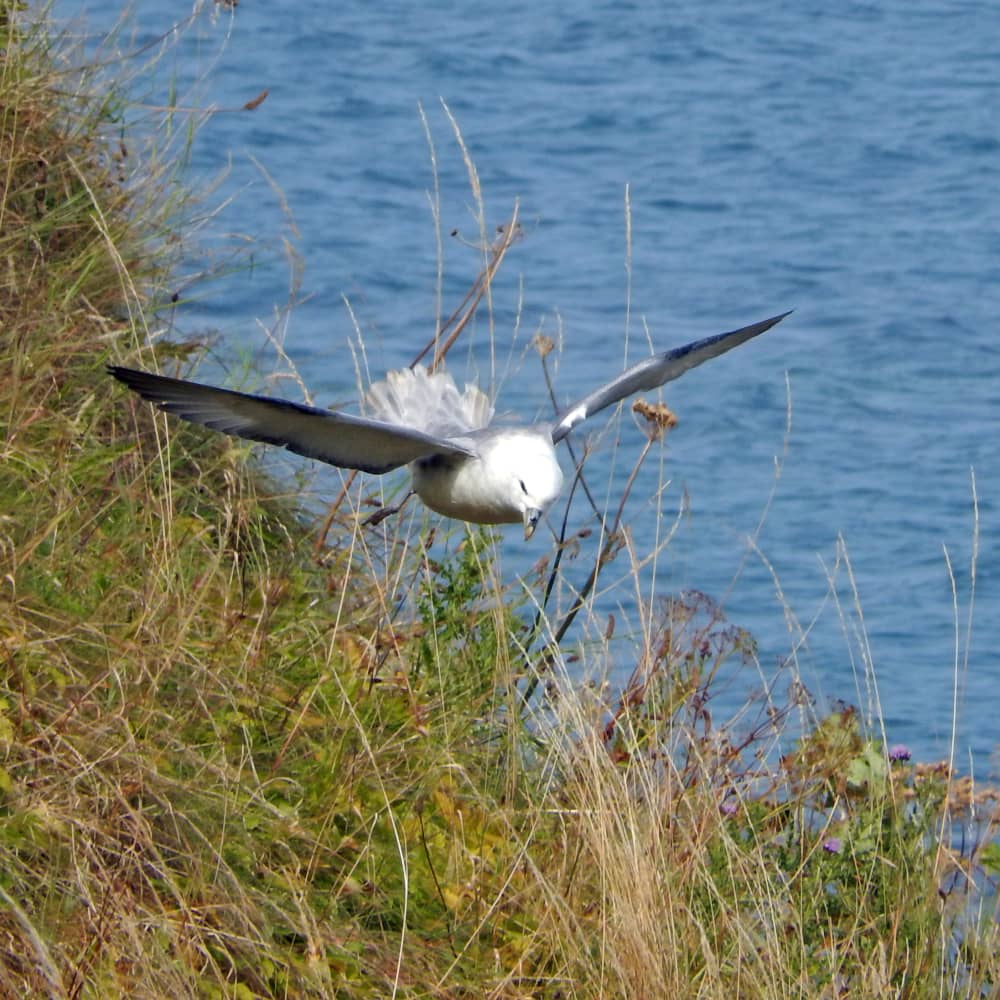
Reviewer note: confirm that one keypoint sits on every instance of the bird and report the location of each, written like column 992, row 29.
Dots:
column 462, row 464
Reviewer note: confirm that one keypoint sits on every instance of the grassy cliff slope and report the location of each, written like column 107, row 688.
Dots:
column 229, row 768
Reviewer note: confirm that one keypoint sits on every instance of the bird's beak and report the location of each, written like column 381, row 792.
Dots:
column 531, row 518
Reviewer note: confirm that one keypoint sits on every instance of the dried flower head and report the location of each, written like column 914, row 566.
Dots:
column 659, row 418
column 544, row 345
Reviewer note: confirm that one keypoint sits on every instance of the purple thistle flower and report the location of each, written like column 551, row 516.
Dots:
column 899, row 752
column 832, row 845
column 729, row 808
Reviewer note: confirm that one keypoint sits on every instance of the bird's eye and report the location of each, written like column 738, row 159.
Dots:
column 524, row 489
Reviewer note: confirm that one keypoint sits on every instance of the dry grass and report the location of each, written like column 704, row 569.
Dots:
column 229, row 768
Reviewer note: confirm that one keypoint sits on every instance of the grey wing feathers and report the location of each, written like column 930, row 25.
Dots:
column 656, row 371
column 336, row 438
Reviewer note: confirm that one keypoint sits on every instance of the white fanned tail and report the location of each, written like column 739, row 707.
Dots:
column 429, row 402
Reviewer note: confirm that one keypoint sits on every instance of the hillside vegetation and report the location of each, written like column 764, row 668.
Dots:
column 233, row 765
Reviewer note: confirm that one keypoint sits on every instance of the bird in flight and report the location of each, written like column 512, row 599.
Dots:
column 462, row 464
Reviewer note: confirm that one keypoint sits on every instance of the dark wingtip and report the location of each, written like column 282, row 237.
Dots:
column 120, row 373
column 775, row 320
column 136, row 376
column 146, row 384
column 756, row 329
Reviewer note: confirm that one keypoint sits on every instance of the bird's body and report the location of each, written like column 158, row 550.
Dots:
column 515, row 470
column 462, row 464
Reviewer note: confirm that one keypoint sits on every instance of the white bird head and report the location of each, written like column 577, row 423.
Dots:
column 512, row 476
column 524, row 466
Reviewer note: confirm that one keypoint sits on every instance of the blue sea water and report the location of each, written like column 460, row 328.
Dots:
column 680, row 169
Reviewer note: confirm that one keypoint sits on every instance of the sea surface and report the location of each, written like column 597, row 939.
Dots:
column 679, row 169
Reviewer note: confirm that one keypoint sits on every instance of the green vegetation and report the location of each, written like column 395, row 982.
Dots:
column 229, row 768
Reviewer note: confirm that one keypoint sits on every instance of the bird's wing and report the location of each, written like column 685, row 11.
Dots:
column 346, row 441
column 654, row 372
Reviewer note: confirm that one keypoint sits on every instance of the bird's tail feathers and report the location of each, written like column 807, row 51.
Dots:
column 429, row 402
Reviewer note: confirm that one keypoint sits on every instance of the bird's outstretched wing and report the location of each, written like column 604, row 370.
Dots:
column 346, row 441
column 654, row 372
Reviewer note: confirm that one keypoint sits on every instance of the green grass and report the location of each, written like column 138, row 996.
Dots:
column 229, row 768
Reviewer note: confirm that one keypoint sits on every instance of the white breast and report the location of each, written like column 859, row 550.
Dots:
column 488, row 489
